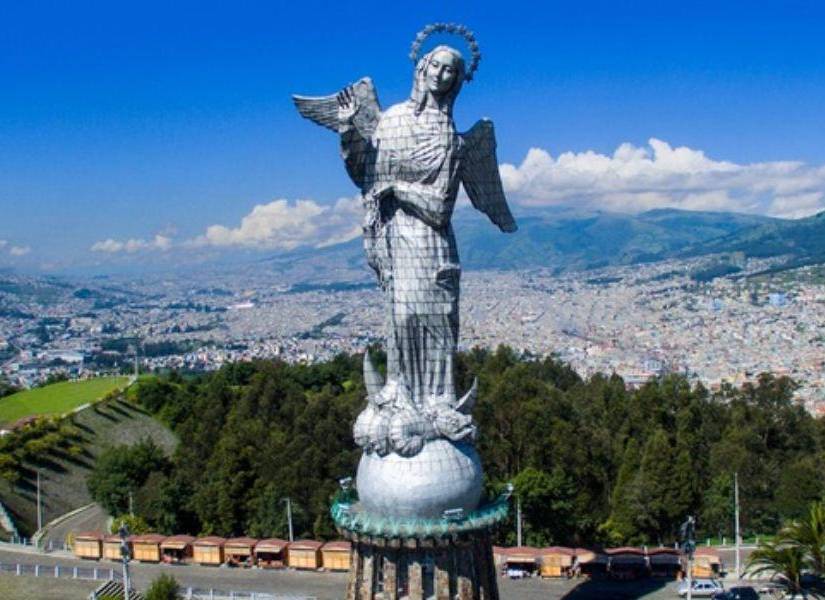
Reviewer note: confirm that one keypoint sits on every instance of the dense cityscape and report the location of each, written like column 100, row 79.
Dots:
column 637, row 321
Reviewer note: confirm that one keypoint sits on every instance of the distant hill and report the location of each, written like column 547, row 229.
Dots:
column 802, row 240
column 560, row 239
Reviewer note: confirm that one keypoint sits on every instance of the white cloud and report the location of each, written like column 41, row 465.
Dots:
column 19, row 250
column 110, row 246
column 3, row 244
column 284, row 226
column 635, row 179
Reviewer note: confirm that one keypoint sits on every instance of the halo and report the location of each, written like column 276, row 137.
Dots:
column 454, row 29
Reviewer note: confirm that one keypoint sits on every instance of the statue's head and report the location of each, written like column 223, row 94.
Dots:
column 439, row 74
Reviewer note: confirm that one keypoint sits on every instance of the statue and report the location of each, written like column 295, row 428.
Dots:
column 408, row 161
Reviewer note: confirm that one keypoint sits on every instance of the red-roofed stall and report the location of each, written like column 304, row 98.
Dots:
column 111, row 547
column 146, row 548
column 706, row 563
column 305, row 554
column 177, row 548
column 240, row 551
column 208, row 550
column 556, row 561
column 590, row 563
column 664, row 562
column 88, row 545
column 335, row 556
column 627, row 562
column 271, row 553
column 521, row 561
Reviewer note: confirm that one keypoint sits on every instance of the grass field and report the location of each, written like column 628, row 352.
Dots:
column 57, row 398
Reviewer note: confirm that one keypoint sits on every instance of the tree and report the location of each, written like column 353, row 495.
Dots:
column 135, row 524
column 6, row 388
column 123, row 469
column 809, row 535
column 782, row 560
column 547, row 505
column 164, row 587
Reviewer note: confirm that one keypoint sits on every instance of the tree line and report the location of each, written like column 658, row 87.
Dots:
column 592, row 462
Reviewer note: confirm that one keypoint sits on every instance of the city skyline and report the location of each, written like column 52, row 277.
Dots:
column 144, row 136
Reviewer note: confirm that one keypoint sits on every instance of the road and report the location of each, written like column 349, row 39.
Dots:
column 93, row 518
column 331, row 586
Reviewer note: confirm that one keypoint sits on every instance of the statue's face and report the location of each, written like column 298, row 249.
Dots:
column 441, row 72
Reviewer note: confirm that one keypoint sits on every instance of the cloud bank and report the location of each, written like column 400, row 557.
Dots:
column 110, row 246
column 632, row 179
column 635, row 179
column 280, row 225
column 16, row 251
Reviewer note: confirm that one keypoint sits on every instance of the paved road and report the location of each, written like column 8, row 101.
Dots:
column 331, row 586
column 93, row 518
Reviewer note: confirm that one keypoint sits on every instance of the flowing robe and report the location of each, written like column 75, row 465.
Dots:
column 409, row 173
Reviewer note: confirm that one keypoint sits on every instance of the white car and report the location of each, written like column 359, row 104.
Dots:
column 701, row 588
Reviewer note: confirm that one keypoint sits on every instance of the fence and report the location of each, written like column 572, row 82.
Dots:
column 58, row 571
column 210, row 594
column 101, row 574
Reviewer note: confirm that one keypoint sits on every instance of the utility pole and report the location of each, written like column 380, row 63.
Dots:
column 518, row 522
column 131, row 504
column 39, row 505
column 289, row 517
column 736, row 521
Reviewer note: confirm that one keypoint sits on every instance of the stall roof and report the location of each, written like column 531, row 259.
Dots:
column 89, row 535
column 663, row 550
column 520, row 554
column 271, row 545
column 148, row 538
column 210, row 540
column 305, row 545
column 557, row 550
column 338, row 546
column 241, row 542
column 625, row 550
column 177, row 542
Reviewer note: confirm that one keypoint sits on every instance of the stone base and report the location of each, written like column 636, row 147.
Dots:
column 460, row 567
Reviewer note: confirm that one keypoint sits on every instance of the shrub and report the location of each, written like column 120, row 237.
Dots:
column 164, row 587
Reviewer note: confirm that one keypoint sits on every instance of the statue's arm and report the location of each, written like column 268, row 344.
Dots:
column 353, row 113
column 427, row 202
column 355, row 150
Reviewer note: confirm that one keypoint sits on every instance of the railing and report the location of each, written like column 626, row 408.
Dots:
column 210, row 594
column 101, row 574
column 58, row 572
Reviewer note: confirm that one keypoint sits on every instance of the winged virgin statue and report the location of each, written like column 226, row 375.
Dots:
column 409, row 161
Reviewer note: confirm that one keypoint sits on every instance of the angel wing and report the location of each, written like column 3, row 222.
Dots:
column 480, row 176
column 324, row 109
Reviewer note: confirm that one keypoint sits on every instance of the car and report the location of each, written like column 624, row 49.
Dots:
column 737, row 593
column 701, row 588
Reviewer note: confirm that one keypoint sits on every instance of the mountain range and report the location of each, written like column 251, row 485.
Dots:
column 566, row 240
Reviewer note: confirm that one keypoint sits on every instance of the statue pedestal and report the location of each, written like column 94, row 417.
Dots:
column 422, row 569
column 395, row 558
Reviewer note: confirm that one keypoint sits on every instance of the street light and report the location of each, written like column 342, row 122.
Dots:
column 123, row 532
column 688, row 533
column 289, row 516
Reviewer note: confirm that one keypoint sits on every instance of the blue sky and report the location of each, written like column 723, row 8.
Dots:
column 152, row 122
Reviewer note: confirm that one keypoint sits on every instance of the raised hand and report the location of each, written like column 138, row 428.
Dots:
column 347, row 104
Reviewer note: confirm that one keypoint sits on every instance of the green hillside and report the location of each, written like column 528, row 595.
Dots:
column 56, row 399
column 63, row 473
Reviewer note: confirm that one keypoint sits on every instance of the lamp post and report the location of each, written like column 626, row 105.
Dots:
column 289, row 516
column 688, row 533
column 123, row 532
